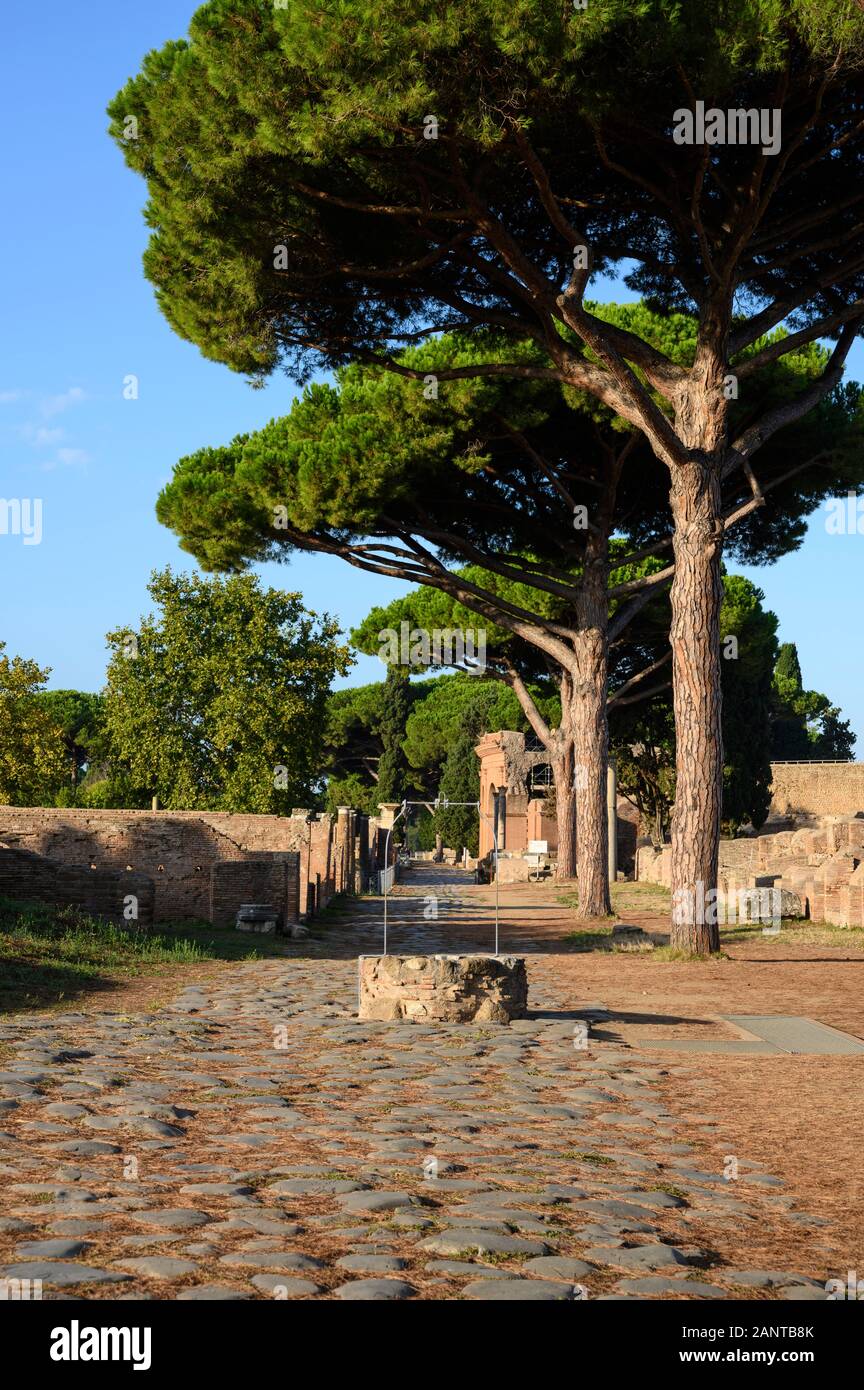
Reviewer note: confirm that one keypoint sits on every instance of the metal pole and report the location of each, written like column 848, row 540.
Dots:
column 443, row 802
column 497, row 880
column 387, row 865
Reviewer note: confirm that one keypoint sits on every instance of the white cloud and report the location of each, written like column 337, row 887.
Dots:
column 55, row 405
column 10, row 397
column 39, row 435
column 71, row 457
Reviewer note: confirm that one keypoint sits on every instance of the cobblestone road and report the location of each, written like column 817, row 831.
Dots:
column 254, row 1140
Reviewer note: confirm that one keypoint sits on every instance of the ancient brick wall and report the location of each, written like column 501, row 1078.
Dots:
column 178, row 849
column 817, row 789
column 122, row 896
column 274, row 880
column 823, row 864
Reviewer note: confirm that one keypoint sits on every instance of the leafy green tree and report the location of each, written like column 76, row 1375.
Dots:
column 80, row 717
column 804, row 723
column 440, row 709
column 218, row 702
column 457, row 705
column 353, row 743
column 351, row 790
column 748, row 648
column 314, row 189
column 32, row 750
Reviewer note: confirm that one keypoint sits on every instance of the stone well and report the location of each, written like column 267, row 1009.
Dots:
column 446, row 989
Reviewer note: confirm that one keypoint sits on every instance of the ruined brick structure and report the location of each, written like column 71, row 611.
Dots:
column 512, row 760
column 817, row 789
column 823, row 865
column 297, row 862
column 506, row 761
column 118, row 894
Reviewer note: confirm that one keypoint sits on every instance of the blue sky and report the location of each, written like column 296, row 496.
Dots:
column 80, row 318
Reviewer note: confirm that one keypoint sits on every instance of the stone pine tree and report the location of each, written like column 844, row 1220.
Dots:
column 523, row 483
column 529, row 485
column 335, row 182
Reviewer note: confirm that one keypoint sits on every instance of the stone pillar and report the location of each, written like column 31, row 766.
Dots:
column 386, row 816
column 344, row 865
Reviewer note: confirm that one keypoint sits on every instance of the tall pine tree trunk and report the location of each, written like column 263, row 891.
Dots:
column 565, row 804
column 695, row 638
column 590, row 732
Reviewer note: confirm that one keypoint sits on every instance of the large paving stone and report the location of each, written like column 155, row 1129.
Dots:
column 637, row 1256
column 374, row 1290
column 159, row 1266
column 283, row 1286
column 60, row 1273
column 376, row 1201
column 455, row 1242
column 519, row 1291
column 658, row 1284
column 86, row 1148
column 372, row 1264
column 763, row 1278
column 314, row 1187
column 174, row 1218
column 216, row 1189
column 59, row 1249
column 557, row 1267
column 271, row 1259
column 207, row 1293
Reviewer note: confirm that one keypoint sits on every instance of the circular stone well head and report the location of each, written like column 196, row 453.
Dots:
column 443, row 988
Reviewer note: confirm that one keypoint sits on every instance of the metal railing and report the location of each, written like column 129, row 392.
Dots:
column 386, row 878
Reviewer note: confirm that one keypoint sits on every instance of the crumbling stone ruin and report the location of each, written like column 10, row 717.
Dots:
column 444, row 988
column 818, row 867
column 185, row 865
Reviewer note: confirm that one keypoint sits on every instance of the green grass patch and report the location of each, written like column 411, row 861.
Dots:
column 671, row 1191
column 636, row 897
column 590, row 939
column 50, row 955
column 799, row 930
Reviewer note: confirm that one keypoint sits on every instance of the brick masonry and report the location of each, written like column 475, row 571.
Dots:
column 114, row 893
column 452, row 989
column 822, row 864
column 817, row 789
column 275, row 880
column 178, row 850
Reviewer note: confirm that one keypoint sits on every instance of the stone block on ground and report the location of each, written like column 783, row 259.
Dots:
column 258, row 917
column 629, row 938
column 450, row 989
